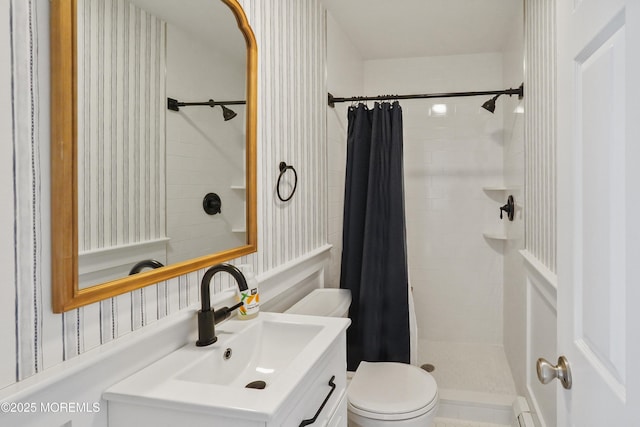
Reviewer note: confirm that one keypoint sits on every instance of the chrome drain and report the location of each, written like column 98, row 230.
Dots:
column 256, row 384
column 227, row 354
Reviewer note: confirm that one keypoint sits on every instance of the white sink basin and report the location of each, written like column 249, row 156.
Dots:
column 261, row 352
column 279, row 349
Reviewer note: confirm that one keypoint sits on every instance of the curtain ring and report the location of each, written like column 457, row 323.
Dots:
column 283, row 168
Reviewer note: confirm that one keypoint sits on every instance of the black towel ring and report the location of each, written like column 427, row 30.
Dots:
column 283, row 169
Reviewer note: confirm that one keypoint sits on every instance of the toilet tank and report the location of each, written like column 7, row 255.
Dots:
column 327, row 302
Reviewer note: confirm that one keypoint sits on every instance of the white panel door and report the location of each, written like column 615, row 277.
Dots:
column 598, row 210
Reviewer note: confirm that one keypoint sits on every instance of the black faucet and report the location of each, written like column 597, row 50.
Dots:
column 207, row 317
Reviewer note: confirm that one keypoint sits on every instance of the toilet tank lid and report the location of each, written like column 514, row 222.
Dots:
column 329, row 302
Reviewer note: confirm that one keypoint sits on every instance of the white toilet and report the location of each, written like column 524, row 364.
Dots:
column 381, row 394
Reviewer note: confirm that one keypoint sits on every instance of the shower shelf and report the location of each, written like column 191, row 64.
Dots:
column 238, row 187
column 495, row 235
column 499, row 188
column 238, row 230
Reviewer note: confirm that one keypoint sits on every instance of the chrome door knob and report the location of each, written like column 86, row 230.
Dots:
column 547, row 372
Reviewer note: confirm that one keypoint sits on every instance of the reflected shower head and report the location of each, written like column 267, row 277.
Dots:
column 227, row 113
column 490, row 105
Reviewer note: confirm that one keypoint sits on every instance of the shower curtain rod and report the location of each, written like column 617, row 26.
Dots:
column 519, row 91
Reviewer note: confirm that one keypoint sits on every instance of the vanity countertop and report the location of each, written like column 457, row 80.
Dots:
column 279, row 349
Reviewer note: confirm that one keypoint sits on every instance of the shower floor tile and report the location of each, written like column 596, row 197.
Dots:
column 468, row 367
column 450, row 422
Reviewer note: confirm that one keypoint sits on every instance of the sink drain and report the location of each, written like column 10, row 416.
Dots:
column 256, row 384
column 428, row 367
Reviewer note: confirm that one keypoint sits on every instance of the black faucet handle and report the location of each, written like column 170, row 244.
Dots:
column 224, row 312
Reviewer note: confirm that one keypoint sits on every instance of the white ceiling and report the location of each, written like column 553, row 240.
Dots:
column 208, row 21
column 382, row 29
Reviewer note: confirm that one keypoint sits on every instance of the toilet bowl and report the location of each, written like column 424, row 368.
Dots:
column 380, row 394
column 391, row 394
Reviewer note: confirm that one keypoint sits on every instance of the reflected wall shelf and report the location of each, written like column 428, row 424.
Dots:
column 495, row 188
column 495, row 235
column 501, row 188
column 241, row 187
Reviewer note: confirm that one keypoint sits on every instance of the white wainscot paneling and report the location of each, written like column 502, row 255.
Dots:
column 81, row 380
column 541, row 336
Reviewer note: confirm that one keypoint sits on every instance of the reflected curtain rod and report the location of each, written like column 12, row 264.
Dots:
column 174, row 104
column 519, row 91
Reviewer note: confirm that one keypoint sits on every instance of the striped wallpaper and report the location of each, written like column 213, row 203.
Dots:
column 291, row 128
column 540, row 131
column 121, row 130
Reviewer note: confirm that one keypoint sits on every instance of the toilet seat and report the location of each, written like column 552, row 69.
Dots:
column 391, row 391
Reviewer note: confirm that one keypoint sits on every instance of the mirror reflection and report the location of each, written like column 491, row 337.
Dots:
column 144, row 170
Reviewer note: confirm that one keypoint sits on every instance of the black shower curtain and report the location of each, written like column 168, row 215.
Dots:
column 374, row 255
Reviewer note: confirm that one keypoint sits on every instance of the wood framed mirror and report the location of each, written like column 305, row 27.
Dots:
column 110, row 89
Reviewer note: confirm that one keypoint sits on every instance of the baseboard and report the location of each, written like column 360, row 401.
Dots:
column 476, row 406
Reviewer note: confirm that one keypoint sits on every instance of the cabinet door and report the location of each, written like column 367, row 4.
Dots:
column 323, row 392
column 339, row 417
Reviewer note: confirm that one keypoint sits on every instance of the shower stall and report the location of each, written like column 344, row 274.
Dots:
column 461, row 163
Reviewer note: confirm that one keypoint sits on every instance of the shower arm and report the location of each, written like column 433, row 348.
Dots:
column 519, row 91
column 174, row 104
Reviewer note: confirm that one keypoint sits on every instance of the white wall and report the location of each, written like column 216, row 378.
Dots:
column 205, row 154
column 291, row 127
column 455, row 272
column 344, row 78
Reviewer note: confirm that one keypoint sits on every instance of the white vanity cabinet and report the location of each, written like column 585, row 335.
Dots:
column 316, row 388
column 312, row 385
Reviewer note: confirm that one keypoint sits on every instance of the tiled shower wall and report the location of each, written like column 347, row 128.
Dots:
column 291, row 128
column 455, row 272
